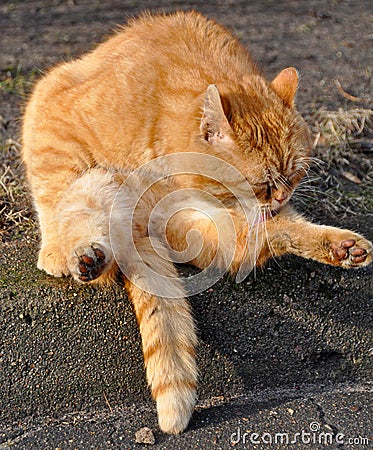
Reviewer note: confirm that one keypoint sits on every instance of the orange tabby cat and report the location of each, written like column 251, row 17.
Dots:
column 177, row 97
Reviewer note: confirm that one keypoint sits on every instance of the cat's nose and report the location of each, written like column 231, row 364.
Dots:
column 281, row 196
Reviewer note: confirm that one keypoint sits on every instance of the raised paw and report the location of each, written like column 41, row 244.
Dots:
column 352, row 252
column 89, row 261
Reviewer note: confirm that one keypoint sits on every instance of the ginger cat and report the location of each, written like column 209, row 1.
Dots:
column 166, row 144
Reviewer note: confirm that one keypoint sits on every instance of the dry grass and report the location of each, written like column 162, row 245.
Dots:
column 15, row 210
column 16, row 214
column 343, row 148
column 343, row 127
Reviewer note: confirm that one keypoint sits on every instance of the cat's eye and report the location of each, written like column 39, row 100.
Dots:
column 268, row 189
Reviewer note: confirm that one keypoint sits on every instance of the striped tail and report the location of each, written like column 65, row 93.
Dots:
column 168, row 340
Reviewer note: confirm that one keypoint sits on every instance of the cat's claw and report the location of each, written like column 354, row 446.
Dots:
column 350, row 253
column 89, row 262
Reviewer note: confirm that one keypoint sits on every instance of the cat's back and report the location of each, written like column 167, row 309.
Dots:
column 155, row 69
column 186, row 35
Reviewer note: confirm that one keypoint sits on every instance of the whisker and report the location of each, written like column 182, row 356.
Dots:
column 308, row 188
column 302, row 190
column 308, row 180
column 257, row 218
column 271, row 250
column 304, row 165
column 284, row 181
column 314, row 160
column 304, row 194
column 307, row 200
column 307, row 204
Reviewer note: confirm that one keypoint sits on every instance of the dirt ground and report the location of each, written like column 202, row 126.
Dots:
column 291, row 345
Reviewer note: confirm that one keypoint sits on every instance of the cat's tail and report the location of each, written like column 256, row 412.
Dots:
column 168, row 335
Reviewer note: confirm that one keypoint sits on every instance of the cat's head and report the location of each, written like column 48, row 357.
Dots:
column 257, row 129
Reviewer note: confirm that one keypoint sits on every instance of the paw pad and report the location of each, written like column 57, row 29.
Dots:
column 348, row 253
column 91, row 264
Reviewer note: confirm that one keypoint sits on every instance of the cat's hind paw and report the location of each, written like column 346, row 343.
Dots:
column 355, row 251
column 90, row 261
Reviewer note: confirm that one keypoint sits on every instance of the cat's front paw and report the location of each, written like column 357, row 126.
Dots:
column 89, row 261
column 52, row 261
column 353, row 251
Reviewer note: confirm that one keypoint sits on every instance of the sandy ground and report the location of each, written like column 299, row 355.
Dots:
column 286, row 348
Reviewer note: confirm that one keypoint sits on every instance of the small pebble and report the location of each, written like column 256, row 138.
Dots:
column 145, row 436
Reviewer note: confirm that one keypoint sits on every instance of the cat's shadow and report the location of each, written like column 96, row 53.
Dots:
column 213, row 416
column 284, row 327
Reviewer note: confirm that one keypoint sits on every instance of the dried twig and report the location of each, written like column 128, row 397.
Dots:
column 107, row 402
column 345, row 94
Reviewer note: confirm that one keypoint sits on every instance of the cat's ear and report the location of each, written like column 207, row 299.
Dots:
column 286, row 84
column 214, row 124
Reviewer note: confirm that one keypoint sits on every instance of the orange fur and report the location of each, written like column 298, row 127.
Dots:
column 170, row 85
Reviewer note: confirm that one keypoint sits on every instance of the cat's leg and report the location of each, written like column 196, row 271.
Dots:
column 75, row 237
column 83, row 225
column 51, row 170
column 167, row 332
column 205, row 237
column 75, row 228
column 254, row 244
column 291, row 233
column 47, row 192
column 51, row 257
